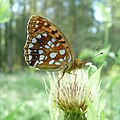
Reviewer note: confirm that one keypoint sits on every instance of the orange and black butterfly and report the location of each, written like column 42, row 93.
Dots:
column 47, row 48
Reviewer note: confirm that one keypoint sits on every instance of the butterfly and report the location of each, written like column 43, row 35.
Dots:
column 47, row 48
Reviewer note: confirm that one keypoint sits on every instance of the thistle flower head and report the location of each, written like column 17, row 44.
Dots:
column 72, row 93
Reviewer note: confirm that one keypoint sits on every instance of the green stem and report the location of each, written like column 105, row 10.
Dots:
column 72, row 115
column 106, row 35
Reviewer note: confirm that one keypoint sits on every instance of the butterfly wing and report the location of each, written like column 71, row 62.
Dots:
column 46, row 47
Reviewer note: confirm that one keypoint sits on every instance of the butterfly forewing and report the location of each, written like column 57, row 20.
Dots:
column 46, row 47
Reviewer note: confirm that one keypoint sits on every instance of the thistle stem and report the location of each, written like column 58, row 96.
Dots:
column 73, row 115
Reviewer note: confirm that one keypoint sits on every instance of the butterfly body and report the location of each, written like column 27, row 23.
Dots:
column 47, row 48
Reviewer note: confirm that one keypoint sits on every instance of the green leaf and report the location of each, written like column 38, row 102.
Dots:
column 91, row 69
column 95, row 77
column 95, row 110
column 91, row 113
column 5, row 13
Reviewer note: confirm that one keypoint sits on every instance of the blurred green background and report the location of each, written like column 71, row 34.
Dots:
column 85, row 23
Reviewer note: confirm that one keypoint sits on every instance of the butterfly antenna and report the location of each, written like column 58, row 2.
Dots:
column 89, row 58
column 97, row 47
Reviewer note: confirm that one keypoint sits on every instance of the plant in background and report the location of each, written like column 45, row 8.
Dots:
column 77, row 97
column 5, row 12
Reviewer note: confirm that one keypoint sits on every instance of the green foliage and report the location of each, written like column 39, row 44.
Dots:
column 118, row 57
column 111, row 85
column 5, row 13
column 23, row 96
column 11, row 115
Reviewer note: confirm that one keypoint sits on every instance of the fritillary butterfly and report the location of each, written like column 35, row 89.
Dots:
column 47, row 48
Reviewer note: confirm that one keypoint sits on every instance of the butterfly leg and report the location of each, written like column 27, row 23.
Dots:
column 63, row 74
column 74, row 75
column 60, row 79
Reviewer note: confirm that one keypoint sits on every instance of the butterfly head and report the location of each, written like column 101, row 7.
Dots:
column 76, row 64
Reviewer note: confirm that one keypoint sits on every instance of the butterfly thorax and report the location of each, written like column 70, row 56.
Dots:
column 76, row 64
